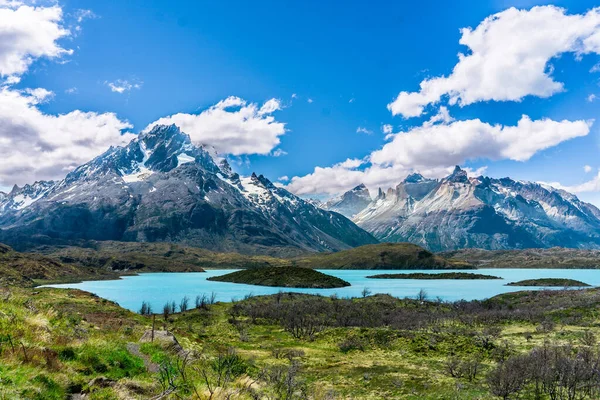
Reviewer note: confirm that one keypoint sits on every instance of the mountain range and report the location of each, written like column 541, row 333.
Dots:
column 459, row 211
column 162, row 187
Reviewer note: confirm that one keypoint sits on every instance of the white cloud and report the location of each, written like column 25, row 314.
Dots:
column 26, row 34
column 294, row 96
column 351, row 100
column 460, row 141
column 508, row 59
column 387, row 129
column 279, row 153
column 309, row 100
column 591, row 98
column 121, row 86
column 364, row 130
column 283, row 178
column 72, row 90
column 442, row 116
column 433, row 149
column 593, row 185
column 587, row 168
column 233, row 126
column 35, row 145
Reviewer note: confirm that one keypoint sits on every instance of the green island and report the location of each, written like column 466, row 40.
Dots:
column 442, row 275
column 289, row 277
column 549, row 282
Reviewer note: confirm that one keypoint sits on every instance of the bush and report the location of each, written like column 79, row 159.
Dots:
column 352, row 343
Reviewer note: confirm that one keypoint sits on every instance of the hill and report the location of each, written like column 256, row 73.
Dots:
column 555, row 257
column 443, row 275
column 549, row 282
column 291, row 277
column 152, row 257
column 27, row 269
column 381, row 256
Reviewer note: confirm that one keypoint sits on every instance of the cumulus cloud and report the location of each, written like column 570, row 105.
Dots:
column 593, row 185
column 591, row 98
column 26, row 34
column 121, row 85
column 433, row 149
column 35, row 145
column 233, row 126
column 587, row 169
column 460, row 141
column 508, row 58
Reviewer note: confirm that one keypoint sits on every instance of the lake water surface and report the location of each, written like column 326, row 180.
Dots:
column 158, row 288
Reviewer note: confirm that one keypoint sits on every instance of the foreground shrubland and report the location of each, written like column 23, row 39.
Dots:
column 531, row 345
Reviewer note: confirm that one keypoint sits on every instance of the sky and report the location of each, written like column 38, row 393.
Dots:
column 317, row 96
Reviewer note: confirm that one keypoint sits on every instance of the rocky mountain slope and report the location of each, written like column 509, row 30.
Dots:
column 461, row 212
column 350, row 203
column 162, row 187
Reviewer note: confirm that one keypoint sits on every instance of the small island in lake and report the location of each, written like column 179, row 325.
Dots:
column 549, row 282
column 443, row 275
column 292, row 277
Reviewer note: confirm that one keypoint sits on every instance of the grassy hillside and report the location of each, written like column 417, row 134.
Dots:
column 556, row 257
column 27, row 269
column 153, row 257
column 443, row 275
column 549, row 282
column 56, row 343
column 291, row 277
column 381, row 256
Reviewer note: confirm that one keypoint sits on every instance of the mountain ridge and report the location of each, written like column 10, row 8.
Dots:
column 162, row 187
column 459, row 211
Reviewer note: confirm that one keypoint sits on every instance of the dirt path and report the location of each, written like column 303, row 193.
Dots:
column 134, row 349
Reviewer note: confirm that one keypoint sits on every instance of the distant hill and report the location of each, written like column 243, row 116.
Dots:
column 555, row 257
column 153, row 257
column 381, row 256
column 27, row 269
column 290, row 277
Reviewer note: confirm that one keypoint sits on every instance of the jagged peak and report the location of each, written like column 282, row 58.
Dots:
column 359, row 188
column 458, row 175
column 415, row 177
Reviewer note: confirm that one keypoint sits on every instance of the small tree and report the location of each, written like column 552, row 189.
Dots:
column 422, row 295
column 366, row 292
column 184, row 304
column 508, row 378
column 146, row 308
column 167, row 310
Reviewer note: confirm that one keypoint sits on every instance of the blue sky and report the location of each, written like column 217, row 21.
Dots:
column 332, row 68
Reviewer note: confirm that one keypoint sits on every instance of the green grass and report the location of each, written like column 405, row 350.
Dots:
column 86, row 337
column 443, row 275
column 291, row 277
column 549, row 282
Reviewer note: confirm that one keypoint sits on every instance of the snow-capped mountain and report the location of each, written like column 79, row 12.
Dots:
column 162, row 187
column 350, row 203
column 21, row 197
column 458, row 212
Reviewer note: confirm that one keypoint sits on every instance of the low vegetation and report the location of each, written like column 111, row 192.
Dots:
column 549, row 282
column 442, row 275
column 55, row 343
column 290, row 277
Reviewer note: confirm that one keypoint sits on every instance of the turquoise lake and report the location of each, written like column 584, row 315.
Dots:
column 158, row 288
